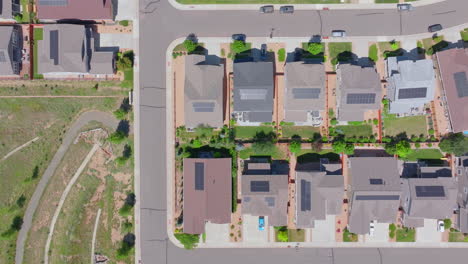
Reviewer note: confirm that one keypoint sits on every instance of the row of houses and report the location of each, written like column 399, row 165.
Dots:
column 63, row 9
column 61, row 50
column 410, row 87
column 377, row 190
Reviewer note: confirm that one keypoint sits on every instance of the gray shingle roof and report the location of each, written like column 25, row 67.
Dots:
column 370, row 201
column 356, row 82
column 253, row 90
column 7, row 50
column 304, row 90
column 410, row 84
column 203, row 87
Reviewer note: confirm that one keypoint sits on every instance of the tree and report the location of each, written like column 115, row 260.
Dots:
column 117, row 137
column 238, row 46
column 315, row 48
column 454, row 143
column 403, row 148
column 188, row 240
column 390, row 148
column 190, row 46
column 120, row 114
column 295, row 145
column 282, row 235
column 349, row 149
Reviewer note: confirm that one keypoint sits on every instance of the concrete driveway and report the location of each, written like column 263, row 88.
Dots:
column 380, row 233
column 429, row 232
column 251, row 232
column 324, row 230
column 216, row 233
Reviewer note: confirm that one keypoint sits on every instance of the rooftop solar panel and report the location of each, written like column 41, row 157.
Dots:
column 376, row 181
column 53, row 2
column 2, row 56
column 259, row 186
column 410, row 93
column 270, row 201
column 306, row 93
column 203, row 106
column 199, row 176
column 305, row 196
column 461, row 83
column 360, row 98
column 377, row 197
column 430, row 191
column 253, row 94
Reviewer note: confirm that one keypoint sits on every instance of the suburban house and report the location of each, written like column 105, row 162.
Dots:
column 207, row 193
column 374, row 192
column 265, row 193
column 453, row 66
column 319, row 193
column 358, row 91
column 461, row 222
column 10, row 50
column 304, row 93
column 253, row 92
column 427, row 198
column 9, row 8
column 410, row 85
column 203, row 92
column 75, row 9
column 70, row 50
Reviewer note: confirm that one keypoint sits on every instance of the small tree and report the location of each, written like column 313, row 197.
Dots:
column 295, row 146
column 333, row 122
column 454, row 143
column 403, row 148
column 117, row 137
column 120, row 114
column 190, row 45
column 238, row 46
column 315, row 48
column 189, row 241
column 282, row 235
column 339, row 146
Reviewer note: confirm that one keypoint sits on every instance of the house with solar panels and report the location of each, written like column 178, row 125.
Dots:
column 10, row 51
column 204, row 92
column 265, row 193
column 453, row 67
column 253, row 93
column 67, row 50
column 461, row 222
column 358, row 91
column 75, row 10
column 319, row 194
column 207, row 193
column 304, row 102
column 410, row 86
column 425, row 200
column 374, row 192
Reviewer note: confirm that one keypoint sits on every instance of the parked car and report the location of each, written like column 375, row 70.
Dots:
column 287, row 9
column 240, row 37
column 267, row 9
column 261, row 223
column 371, row 228
column 404, row 7
column 440, row 226
column 434, row 28
column 339, row 33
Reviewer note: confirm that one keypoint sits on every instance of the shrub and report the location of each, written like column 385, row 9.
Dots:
column 447, row 223
column 295, row 146
column 454, row 143
column 124, row 23
column 386, row 139
column 189, row 241
column 375, row 121
column 373, row 53
column 196, row 143
column 394, row 45
column 282, row 235
column 417, row 145
column 392, row 229
column 117, row 137
column 403, row 148
column 190, row 45
column 281, row 55
column 431, row 131
column 127, row 245
column 333, row 122
column 238, row 46
column 315, row 48
column 21, row 200
column 124, row 63
column 19, row 18
column 120, row 114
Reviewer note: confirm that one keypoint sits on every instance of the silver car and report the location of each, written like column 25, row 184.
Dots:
column 339, row 33
column 404, row 7
column 267, row 9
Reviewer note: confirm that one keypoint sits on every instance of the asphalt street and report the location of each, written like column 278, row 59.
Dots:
column 160, row 24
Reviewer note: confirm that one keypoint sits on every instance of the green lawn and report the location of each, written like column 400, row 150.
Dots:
column 373, row 52
column 411, row 125
column 248, row 132
column 199, row 2
column 464, row 34
column 432, row 45
column 348, row 236
column 425, row 154
column 386, row 1
column 296, row 235
column 274, row 152
column 457, row 237
column 308, row 155
column 405, row 235
column 339, row 51
column 355, row 131
column 62, row 87
column 128, row 79
column 302, row 131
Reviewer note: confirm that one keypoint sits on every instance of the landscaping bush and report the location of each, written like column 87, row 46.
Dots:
column 281, row 233
column 447, row 223
column 315, row 48
column 417, row 145
column 124, row 23
column 375, row 121
column 403, row 148
column 190, row 45
column 117, row 137
column 127, row 245
column 334, row 122
column 340, row 146
column 430, row 131
column 120, row 114
column 392, row 229
column 189, row 241
column 281, row 55
column 295, row 145
column 238, row 46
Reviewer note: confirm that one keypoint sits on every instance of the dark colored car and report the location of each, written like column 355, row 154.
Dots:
column 434, row 28
column 267, row 9
column 287, row 9
column 240, row 37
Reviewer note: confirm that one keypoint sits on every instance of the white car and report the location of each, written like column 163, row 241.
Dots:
column 371, row 228
column 440, row 226
column 405, row 7
column 339, row 33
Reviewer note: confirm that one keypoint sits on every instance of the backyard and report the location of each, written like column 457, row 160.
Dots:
column 411, row 125
column 349, row 131
column 248, row 132
column 424, row 154
column 302, row 131
column 308, row 155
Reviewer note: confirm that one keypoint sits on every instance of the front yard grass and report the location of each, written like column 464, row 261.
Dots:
column 425, row 154
column 296, row 235
column 340, row 52
column 455, row 236
column 348, row 236
column 302, row 131
column 464, row 34
column 390, row 49
column 432, row 45
column 38, row 36
column 411, row 125
column 406, row 234
column 248, row 132
column 355, row 130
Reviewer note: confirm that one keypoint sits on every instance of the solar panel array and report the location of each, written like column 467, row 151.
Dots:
column 54, row 46
column 430, row 191
column 259, row 186
column 306, row 93
column 461, row 83
column 199, row 176
column 2, row 56
column 360, row 98
column 305, row 196
column 410, row 93
column 203, row 107
column 377, row 197
column 376, row 181
column 53, row 2
column 270, row 201
column 253, row 94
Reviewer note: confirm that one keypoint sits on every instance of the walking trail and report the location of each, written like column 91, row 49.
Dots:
column 93, row 243
column 102, row 117
column 19, row 148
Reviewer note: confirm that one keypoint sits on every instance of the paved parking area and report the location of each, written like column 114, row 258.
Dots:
column 216, row 233
column 251, row 232
column 429, row 232
column 324, row 230
column 380, row 233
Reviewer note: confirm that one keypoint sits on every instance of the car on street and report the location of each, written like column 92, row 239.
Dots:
column 405, row 7
column 287, row 9
column 339, row 33
column 267, row 9
column 440, row 226
column 371, row 228
column 434, row 28
column 240, row 37
column 261, row 223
